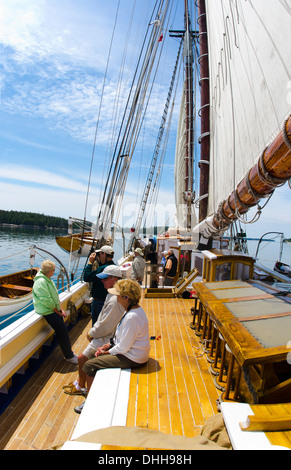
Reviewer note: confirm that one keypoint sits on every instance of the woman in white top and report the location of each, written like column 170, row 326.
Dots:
column 130, row 346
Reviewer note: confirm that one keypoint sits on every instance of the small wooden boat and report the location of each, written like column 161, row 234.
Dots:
column 16, row 291
column 78, row 244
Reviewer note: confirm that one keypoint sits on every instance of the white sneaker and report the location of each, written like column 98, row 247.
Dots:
column 73, row 360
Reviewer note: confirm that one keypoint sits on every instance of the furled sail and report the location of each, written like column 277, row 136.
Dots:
column 250, row 67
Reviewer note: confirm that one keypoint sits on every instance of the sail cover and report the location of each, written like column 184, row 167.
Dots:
column 250, row 85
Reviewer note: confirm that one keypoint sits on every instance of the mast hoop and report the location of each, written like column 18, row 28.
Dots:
column 203, row 107
column 200, row 138
column 200, row 16
column 204, row 162
column 203, row 56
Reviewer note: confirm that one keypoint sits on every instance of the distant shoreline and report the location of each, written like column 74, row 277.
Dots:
column 30, row 226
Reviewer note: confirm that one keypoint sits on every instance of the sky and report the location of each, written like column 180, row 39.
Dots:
column 53, row 60
column 54, row 57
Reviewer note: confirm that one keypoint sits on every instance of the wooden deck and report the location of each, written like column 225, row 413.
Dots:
column 173, row 393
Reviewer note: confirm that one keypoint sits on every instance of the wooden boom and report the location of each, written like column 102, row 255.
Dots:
column 272, row 170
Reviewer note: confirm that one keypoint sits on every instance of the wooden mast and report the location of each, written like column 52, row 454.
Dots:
column 204, row 139
column 189, row 145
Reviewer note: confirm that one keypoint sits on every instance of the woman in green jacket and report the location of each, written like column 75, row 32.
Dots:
column 46, row 303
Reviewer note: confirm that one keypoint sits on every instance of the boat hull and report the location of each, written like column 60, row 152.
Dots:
column 20, row 340
column 77, row 244
column 16, row 291
column 9, row 306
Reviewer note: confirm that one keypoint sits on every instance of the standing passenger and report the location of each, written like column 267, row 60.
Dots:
column 170, row 268
column 46, row 303
column 98, row 291
column 138, row 266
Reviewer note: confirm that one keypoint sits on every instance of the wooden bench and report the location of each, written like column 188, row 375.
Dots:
column 105, row 406
column 15, row 287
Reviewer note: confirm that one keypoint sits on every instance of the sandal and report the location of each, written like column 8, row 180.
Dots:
column 72, row 390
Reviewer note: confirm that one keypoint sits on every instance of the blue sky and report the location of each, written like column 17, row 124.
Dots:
column 53, row 59
column 54, row 55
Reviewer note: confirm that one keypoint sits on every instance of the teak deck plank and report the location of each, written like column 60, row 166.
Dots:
column 174, row 392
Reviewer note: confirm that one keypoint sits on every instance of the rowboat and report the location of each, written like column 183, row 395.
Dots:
column 78, row 244
column 16, row 291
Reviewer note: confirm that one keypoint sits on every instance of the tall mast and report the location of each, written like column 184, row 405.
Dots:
column 204, row 111
column 189, row 144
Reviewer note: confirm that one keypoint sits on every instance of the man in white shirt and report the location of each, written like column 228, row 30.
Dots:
column 102, row 331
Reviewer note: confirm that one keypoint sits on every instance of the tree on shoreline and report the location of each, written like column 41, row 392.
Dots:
column 31, row 219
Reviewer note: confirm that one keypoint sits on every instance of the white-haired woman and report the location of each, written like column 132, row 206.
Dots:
column 46, row 303
column 130, row 346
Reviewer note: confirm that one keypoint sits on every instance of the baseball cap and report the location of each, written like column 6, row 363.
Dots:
column 110, row 270
column 105, row 249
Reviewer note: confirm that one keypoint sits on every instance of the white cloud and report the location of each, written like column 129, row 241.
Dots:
column 41, row 200
column 54, row 63
column 40, row 177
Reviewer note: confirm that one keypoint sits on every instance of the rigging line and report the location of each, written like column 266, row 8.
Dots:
column 99, row 112
column 138, row 101
column 137, row 133
column 157, row 182
column 116, row 107
column 154, row 33
column 14, row 254
column 141, row 118
column 124, row 114
column 159, row 140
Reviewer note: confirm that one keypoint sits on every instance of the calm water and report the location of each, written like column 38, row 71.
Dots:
column 15, row 246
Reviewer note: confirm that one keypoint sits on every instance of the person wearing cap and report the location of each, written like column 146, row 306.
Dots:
column 103, row 329
column 98, row 291
column 130, row 346
column 138, row 266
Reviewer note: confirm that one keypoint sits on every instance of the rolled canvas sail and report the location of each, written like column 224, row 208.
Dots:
column 250, row 87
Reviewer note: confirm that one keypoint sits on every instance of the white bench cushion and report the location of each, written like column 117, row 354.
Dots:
column 105, row 406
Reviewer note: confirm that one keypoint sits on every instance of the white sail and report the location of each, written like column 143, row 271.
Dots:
column 180, row 170
column 250, row 62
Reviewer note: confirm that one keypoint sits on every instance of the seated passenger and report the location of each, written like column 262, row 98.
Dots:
column 130, row 346
column 102, row 330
